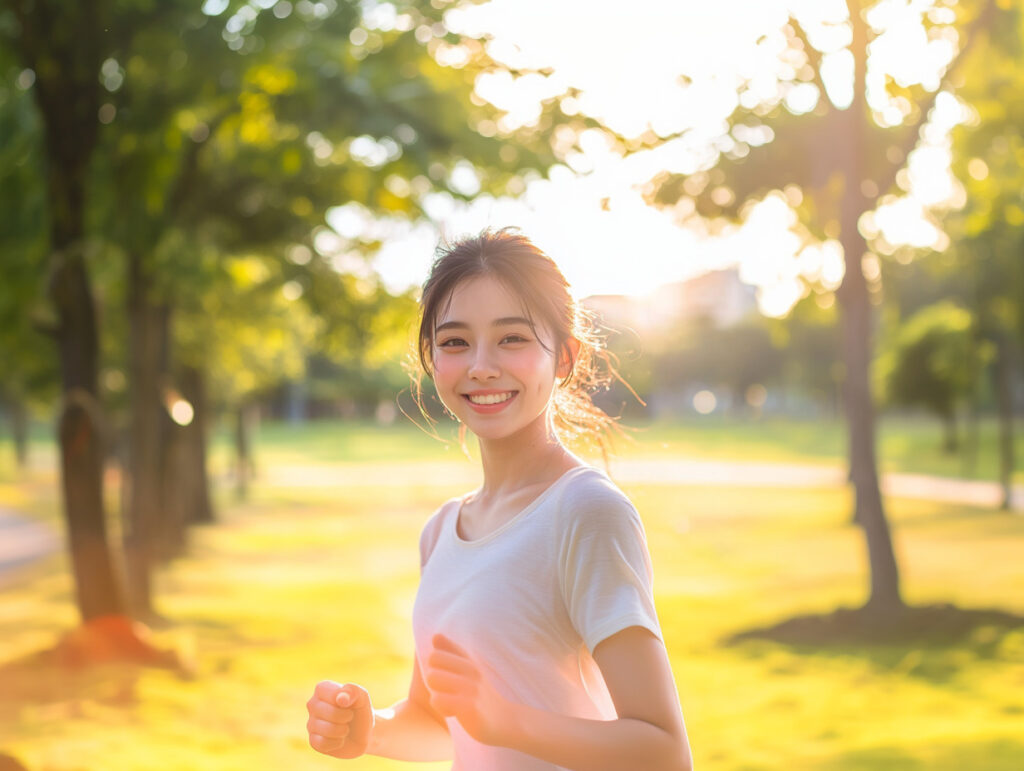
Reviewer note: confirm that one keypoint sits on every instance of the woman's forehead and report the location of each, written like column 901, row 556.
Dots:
column 482, row 298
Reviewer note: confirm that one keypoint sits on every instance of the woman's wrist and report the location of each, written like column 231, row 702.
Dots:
column 514, row 726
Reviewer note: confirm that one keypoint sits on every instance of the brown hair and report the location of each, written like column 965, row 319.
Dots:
column 534, row 278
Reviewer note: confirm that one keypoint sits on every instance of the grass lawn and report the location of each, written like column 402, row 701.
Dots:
column 905, row 444
column 304, row 583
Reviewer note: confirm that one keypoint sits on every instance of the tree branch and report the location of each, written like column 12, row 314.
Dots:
column 47, row 329
column 189, row 165
column 981, row 23
column 813, row 59
column 27, row 42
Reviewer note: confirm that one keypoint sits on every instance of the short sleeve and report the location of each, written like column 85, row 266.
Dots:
column 607, row 576
column 432, row 531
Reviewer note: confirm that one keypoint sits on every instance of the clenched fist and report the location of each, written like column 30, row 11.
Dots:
column 459, row 689
column 340, row 719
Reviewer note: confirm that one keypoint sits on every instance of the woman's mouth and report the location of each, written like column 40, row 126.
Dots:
column 492, row 398
column 494, row 401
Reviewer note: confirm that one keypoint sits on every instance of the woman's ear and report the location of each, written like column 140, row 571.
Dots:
column 567, row 357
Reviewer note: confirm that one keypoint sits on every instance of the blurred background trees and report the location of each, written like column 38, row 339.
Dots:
column 191, row 157
column 836, row 157
column 193, row 197
column 934, row 364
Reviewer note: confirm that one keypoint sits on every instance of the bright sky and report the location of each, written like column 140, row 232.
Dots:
column 627, row 67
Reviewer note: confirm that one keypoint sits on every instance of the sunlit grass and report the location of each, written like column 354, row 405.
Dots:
column 305, row 583
column 905, row 444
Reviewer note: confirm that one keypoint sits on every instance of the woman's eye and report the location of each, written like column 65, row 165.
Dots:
column 514, row 339
column 452, row 342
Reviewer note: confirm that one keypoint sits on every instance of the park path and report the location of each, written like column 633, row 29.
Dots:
column 23, row 541
column 675, row 471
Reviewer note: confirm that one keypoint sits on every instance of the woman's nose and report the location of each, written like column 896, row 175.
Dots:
column 483, row 366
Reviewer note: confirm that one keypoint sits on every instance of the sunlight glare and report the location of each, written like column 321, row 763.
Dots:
column 589, row 212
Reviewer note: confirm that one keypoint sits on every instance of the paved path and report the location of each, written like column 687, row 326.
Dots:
column 686, row 471
column 22, row 541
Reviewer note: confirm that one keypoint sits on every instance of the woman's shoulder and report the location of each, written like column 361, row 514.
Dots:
column 589, row 494
column 432, row 529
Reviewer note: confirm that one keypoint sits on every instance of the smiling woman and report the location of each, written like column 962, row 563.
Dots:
column 489, row 361
column 538, row 646
column 538, row 316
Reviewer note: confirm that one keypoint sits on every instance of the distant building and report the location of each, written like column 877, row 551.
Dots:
column 718, row 296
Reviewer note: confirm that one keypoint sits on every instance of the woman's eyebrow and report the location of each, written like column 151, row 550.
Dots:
column 505, row 321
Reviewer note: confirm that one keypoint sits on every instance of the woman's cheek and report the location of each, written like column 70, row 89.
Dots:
column 443, row 368
column 445, row 378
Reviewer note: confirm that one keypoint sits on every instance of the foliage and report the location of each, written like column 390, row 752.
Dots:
column 29, row 374
column 794, row 144
column 238, row 130
column 231, row 130
column 988, row 160
column 810, row 342
column 703, row 355
column 932, row 362
column 836, row 158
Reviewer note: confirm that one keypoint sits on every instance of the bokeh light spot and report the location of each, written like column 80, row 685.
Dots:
column 181, row 412
column 704, row 402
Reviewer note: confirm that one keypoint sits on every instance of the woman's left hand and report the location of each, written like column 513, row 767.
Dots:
column 459, row 689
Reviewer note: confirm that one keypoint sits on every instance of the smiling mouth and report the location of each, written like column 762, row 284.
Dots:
column 486, row 399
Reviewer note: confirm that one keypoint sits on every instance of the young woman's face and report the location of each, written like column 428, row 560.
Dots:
column 490, row 368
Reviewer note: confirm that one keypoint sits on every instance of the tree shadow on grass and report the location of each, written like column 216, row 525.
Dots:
column 98, row 662
column 57, row 691
column 886, row 640
column 989, row 754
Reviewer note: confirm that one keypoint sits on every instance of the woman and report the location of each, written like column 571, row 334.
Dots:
column 537, row 642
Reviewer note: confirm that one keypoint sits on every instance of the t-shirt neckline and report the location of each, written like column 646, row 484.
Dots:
column 519, row 516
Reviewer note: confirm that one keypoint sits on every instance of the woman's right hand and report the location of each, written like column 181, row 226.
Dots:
column 340, row 719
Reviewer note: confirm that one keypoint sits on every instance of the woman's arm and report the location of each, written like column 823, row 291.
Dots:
column 648, row 732
column 410, row 729
column 343, row 724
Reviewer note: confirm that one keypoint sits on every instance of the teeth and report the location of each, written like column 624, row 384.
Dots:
column 491, row 398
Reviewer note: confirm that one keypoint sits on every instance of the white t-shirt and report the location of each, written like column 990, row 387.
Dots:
column 531, row 600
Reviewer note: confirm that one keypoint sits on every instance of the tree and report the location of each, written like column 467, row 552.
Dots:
column 63, row 51
column 809, row 340
column 840, row 159
column 930, row 364
column 989, row 230
column 277, row 118
column 29, row 375
column 242, row 336
column 232, row 131
column 732, row 358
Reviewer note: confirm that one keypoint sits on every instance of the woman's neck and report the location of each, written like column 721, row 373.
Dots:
column 529, row 457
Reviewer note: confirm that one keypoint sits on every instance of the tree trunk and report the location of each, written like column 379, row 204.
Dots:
column 177, row 494
column 171, row 539
column 195, row 475
column 855, row 318
column 969, row 450
column 950, row 436
column 296, row 402
column 1004, row 401
column 63, row 49
column 19, row 431
column 243, row 452
column 97, row 584
column 145, row 462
